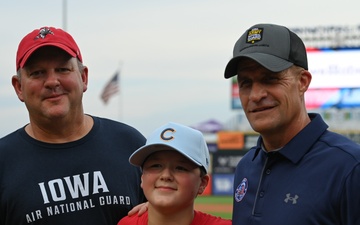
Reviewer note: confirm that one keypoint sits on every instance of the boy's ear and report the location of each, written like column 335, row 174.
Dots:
column 204, row 182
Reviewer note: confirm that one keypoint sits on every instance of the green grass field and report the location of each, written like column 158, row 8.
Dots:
column 216, row 201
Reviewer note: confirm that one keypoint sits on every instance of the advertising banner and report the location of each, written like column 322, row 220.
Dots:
column 226, row 161
column 222, row 184
column 333, row 56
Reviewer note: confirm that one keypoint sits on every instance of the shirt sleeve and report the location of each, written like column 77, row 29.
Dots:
column 350, row 199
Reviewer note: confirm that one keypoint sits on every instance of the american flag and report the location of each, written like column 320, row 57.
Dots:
column 111, row 88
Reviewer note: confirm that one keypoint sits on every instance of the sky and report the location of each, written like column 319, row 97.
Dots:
column 171, row 54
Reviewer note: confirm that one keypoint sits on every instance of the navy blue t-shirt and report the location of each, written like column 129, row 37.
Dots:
column 88, row 181
column 314, row 179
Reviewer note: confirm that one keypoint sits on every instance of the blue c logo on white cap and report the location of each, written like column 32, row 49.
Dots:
column 163, row 135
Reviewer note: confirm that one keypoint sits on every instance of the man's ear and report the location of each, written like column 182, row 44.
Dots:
column 84, row 77
column 16, row 83
column 305, row 80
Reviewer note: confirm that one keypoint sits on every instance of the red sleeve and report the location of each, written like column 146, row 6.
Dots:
column 201, row 218
column 134, row 220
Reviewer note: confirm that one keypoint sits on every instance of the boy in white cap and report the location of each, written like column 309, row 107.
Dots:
column 175, row 163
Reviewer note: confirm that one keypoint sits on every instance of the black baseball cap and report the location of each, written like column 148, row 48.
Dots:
column 273, row 46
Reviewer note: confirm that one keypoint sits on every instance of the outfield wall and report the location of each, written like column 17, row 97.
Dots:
column 225, row 160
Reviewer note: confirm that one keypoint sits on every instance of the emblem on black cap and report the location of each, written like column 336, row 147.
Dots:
column 43, row 32
column 254, row 35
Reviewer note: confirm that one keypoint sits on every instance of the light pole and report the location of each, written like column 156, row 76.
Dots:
column 64, row 15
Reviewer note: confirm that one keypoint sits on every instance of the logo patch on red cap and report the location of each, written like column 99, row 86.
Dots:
column 254, row 35
column 43, row 32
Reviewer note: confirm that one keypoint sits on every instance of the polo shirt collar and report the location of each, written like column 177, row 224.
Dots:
column 297, row 147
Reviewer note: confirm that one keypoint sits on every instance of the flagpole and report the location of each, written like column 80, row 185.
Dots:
column 120, row 108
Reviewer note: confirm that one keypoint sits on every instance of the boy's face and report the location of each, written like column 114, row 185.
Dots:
column 171, row 181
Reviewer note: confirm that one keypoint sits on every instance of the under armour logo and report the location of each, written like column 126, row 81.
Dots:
column 290, row 198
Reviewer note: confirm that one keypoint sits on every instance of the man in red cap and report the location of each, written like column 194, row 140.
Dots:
column 64, row 166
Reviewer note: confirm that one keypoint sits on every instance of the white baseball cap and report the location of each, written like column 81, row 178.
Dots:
column 172, row 136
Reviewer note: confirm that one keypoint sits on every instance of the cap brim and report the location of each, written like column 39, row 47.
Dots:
column 140, row 155
column 270, row 62
column 32, row 50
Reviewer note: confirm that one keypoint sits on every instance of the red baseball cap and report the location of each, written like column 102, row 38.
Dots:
column 46, row 36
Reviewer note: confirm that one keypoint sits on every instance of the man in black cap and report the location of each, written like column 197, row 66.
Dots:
column 299, row 172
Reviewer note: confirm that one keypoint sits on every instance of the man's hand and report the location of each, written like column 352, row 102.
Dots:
column 139, row 209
